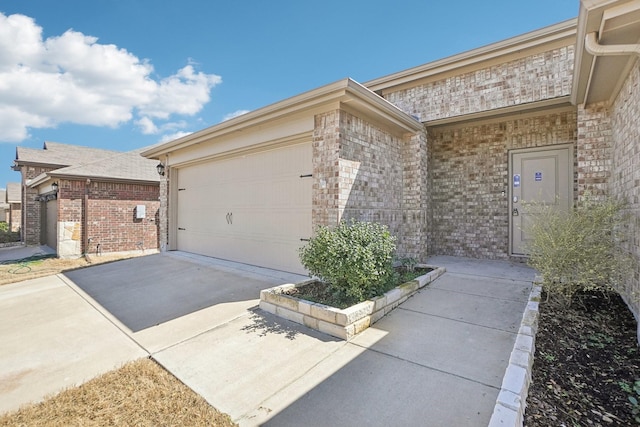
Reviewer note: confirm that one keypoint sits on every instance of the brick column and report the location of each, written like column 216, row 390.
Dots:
column 594, row 149
column 326, row 169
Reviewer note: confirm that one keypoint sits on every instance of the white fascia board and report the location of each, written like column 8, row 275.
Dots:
column 344, row 90
column 34, row 182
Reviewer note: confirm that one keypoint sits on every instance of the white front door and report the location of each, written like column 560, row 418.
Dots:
column 538, row 177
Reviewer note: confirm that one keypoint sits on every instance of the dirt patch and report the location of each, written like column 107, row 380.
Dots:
column 586, row 366
column 140, row 393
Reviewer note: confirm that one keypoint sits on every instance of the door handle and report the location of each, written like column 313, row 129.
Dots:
column 515, row 212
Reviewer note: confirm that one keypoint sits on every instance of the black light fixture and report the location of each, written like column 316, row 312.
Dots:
column 54, row 186
column 160, row 169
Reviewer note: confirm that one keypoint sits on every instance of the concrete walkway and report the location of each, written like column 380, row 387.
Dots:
column 438, row 359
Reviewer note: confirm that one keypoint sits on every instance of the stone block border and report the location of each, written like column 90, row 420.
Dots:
column 345, row 323
column 512, row 399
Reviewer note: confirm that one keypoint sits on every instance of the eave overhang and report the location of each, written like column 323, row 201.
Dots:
column 616, row 23
column 346, row 92
column 562, row 33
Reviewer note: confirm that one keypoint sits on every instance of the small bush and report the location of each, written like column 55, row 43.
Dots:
column 354, row 258
column 7, row 236
column 578, row 251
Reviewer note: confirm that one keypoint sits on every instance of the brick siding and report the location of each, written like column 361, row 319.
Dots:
column 112, row 224
column 468, row 173
column 30, row 207
column 594, row 149
column 625, row 172
column 361, row 171
column 525, row 80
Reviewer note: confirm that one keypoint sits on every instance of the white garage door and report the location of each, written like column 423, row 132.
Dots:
column 253, row 208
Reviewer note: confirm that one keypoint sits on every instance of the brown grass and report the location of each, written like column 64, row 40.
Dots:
column 32, row 269
column 141, row 393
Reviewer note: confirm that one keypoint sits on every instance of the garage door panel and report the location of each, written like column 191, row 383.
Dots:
column 253, row 208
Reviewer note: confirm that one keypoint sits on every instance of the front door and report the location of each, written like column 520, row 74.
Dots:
column 539, row 177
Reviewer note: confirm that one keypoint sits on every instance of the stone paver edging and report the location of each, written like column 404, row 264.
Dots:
column 512, row 399
column 345, row 323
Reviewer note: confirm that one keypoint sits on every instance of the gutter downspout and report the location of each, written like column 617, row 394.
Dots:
column 594, row 48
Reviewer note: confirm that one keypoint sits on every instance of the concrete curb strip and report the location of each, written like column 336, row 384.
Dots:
column 512, row 399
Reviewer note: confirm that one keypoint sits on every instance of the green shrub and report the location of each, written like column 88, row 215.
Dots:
column 354, row 258
column 7, row 236
column 579, row 250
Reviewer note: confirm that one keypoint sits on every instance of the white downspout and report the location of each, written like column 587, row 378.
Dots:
column 594, row 48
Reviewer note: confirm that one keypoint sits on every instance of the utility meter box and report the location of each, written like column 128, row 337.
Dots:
column 140, row 211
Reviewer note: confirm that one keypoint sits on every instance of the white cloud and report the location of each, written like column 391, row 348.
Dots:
column 171, row 137
column 72, row 78
column 234, row 114
column 147, row 126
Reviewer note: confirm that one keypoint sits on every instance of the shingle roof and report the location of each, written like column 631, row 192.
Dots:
column 14, row 193
column 3, row 200
column 121, row 166
column 55, row 153
column 78, row 161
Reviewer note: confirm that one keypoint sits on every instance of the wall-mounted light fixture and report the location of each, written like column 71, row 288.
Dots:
column 160, row 169
column 54, row 186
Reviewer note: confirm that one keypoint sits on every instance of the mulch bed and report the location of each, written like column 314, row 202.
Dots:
column 586, row 365
column 319, row 292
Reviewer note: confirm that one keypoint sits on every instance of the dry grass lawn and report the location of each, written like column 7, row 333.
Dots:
column 11, row 272
column 140, row 393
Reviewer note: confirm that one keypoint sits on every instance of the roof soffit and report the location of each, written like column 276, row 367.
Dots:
column 325, row 98
column 616, row 22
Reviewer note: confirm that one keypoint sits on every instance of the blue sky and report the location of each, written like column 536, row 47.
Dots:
column 122, row 74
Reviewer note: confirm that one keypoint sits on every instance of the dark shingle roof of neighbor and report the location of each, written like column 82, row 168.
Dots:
column 55, row 153
column 14, row 193
column 81, row 162
column 121, row 166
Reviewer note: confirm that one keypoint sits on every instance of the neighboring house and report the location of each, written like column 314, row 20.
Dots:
column 443, row 153
column 14, row 200
column 80, row 200
column 4, row 207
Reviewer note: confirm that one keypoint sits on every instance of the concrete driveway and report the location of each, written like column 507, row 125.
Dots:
column 63, row 330
column 438, row 359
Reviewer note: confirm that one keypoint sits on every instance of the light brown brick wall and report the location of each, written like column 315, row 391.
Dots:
column 593, row 152
column 468, row 174
column 533, row 78
column 365, row 172
column 625, row 172
column 326, row 168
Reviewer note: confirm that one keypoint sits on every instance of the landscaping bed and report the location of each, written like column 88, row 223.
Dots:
column 343, row 323
column 586, row 365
